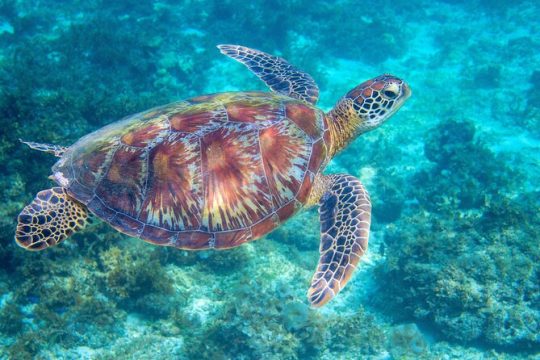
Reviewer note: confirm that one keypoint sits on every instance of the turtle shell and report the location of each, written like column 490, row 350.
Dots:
column 212, row 171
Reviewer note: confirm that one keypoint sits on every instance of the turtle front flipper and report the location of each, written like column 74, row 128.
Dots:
column 277, row 73
column 345, row 216
column 49, row 219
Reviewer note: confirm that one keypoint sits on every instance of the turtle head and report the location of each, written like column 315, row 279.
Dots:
column 366, row 107
column 376, row 100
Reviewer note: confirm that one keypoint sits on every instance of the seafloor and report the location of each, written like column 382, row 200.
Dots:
column 453, row 270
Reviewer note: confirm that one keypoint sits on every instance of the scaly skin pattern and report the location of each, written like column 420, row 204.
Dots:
column 345, row 216
column 364, row 108
column 210, row 172
column 277, row 73
column 49, row 219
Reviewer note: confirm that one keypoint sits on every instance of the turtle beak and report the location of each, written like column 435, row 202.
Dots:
column 406, row 90
column 405, row 94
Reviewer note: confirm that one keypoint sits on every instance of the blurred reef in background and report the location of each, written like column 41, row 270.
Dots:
column 454, row 261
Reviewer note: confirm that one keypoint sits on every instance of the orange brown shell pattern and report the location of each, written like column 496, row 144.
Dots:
column 211, row 172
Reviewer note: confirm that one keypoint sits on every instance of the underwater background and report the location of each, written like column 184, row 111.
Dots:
column 453, row 268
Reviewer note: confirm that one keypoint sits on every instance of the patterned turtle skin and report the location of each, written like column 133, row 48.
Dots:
column 209, row 172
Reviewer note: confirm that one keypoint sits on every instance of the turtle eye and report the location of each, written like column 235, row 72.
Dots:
column 390, row 94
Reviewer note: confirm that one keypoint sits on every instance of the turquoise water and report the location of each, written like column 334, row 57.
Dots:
column 452, row 271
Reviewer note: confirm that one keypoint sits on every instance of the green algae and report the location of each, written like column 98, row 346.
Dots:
column 467, row 265
column 11, row 319
column 130, row 275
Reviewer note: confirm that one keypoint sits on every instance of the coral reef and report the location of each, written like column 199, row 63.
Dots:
column 130, row 275
column 407, row 340
column 464, row 261
column 453, row 181
column 260, row 325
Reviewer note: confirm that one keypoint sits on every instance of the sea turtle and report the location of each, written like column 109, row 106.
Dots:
column 216, row 171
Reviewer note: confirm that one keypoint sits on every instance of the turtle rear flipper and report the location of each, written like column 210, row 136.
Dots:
column 49, row 219
column 345, row 216
column 277, row 73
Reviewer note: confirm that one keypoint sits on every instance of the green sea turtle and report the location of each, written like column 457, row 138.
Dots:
column 219, row 170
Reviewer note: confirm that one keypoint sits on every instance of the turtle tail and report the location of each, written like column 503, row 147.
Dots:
column 56, row 150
